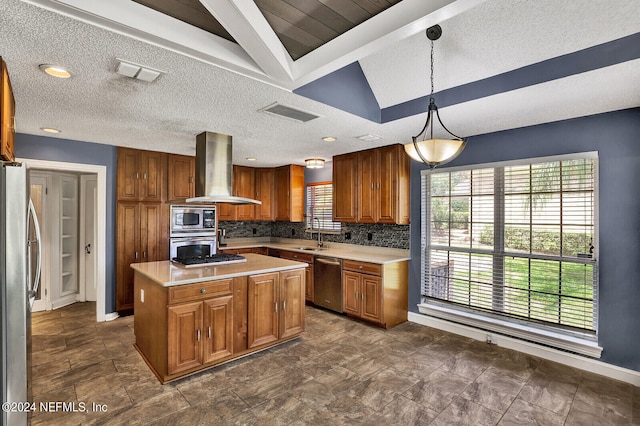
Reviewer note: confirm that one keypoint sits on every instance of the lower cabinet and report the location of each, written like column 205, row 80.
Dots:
column 183, row 329
column 376, row 292
column 244, row 250
column 199, row 332
column 276, row 307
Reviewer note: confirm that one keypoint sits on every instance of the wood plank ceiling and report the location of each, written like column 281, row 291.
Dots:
column 301, row 25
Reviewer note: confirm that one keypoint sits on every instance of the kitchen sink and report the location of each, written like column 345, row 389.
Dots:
column 313, row 248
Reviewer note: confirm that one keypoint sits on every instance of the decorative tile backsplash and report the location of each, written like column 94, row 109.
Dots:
column 392, row 236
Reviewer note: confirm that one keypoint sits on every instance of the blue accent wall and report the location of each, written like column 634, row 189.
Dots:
column 616, row 137
column 346, row 89
column 69, row 151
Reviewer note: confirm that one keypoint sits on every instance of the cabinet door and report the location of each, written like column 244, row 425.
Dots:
column 180, row 177
column 351, row 293
column 218, row 328
column 152, row 234
column 283, row 207
column 7, row 115
column 127, row 252
column 371, row 295
column 367, row 186
column 184, row 337
column 226, row 211
column 244, row 184
column 344, row 187
column 386, row 186
column 153, row 166
column 292, row 307
column 263, row 310
column 128, row 174
column 309, row 291
column 265, row 190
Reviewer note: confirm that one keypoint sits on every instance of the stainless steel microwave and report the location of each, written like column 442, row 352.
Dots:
column 192, row 220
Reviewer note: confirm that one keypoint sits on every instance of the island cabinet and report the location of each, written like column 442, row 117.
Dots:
column 7, row 115
column 276, row 307
column 183, row 329
column 181, row 171
column 372, row 186
column 289, row 193
column 376, row 292
column 300, row 257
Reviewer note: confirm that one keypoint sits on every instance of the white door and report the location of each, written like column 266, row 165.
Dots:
column 38, row 192
column 88, row 201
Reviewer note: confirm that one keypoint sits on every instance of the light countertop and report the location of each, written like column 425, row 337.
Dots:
column 167, row 274
column 380, row 255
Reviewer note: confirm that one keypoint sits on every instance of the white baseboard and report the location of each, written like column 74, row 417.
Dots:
column 583, row 363
column 111, row 316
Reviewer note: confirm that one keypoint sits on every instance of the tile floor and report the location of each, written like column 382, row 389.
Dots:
column 339, row 372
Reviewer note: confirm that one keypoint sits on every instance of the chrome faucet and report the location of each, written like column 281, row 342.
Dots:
column 319, row 234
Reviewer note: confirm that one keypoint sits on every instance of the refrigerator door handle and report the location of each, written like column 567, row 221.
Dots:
column 33, row 289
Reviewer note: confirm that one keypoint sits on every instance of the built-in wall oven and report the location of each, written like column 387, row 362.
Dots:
column 193, row 237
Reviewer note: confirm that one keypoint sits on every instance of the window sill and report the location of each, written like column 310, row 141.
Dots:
column 574, row 342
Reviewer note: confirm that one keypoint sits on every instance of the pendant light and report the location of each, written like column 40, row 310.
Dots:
column 434, row 151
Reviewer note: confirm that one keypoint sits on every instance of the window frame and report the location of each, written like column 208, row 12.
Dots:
column 579, row 341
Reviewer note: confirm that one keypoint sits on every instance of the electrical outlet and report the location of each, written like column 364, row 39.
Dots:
column 142, row 295
column 254, row 230
column 347, row 235
column 369, row 236
column 293, row 231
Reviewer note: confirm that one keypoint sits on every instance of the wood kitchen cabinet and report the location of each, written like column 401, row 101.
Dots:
column 142, row 236
column 276, row 308
column 376, row 293
column 243, row 186
column 141, row 175
column 300, row 257
column 289, row 193
column 372, row 186
column 7, row 115
column 265, row 192
column 345, row 170
column 200, row 332
column 181, row 171
column 256, row 250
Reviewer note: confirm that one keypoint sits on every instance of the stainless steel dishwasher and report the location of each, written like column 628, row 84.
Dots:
column 327, row 283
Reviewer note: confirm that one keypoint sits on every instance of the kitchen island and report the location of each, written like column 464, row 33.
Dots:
column 190, row 319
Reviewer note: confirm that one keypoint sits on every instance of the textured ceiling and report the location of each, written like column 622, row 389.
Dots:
column 197, row 93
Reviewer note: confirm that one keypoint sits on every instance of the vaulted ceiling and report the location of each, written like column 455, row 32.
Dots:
column 361, row 66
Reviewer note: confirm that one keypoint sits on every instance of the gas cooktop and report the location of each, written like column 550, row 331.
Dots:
column 215, row 259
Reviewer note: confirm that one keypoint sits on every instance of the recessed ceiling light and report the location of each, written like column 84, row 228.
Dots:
column 250, row 159
column 329, row 139
column 50, row 130
column 55, row 71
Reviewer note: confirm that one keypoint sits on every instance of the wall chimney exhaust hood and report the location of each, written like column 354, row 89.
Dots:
column 214, row 171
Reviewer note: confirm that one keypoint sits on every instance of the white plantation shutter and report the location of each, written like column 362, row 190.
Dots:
column 514, row 240
column 320, row 206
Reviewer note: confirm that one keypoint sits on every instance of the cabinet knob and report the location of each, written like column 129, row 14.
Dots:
column 203, row 291
column 360, row 267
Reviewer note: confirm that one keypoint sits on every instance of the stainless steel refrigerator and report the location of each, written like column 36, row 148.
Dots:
column 20, row 254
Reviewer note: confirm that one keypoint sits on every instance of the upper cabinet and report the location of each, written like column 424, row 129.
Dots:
column 243, row 186
column 141, row 175
column 181, row 173
column 290, row 193
column 372, row 186
column 265, row 192
column 7, row 115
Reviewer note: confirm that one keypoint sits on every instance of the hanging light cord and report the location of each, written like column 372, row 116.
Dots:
column 431, row 69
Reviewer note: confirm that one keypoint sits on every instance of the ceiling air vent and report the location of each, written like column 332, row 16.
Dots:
column 290, row 113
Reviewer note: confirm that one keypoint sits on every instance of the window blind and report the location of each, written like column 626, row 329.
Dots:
column 515, row 240
column 320, row 207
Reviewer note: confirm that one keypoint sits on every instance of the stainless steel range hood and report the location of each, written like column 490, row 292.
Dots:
column 214, row 171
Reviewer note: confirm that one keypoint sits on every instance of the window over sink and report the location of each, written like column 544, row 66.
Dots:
column 320, row 207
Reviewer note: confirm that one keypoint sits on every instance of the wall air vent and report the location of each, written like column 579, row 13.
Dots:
column 290, row 113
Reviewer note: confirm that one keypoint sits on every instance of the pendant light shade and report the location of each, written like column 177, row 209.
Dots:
column 424, row 147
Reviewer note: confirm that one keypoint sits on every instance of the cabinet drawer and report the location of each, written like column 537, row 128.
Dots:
column 205, row 290
column 364, row 267
column 300, row 257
